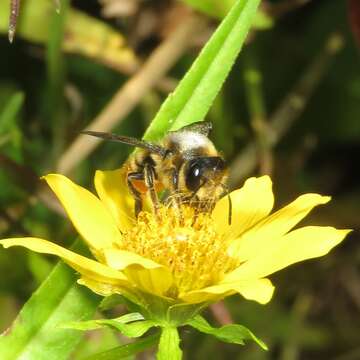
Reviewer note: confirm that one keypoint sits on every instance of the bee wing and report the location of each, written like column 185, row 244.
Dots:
column 127, row 140
column 199, row 127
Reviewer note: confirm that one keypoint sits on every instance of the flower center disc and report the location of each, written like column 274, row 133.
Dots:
column 185, row 242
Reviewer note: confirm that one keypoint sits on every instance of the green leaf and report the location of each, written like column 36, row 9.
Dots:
column 179, row 314
column 54, row 55
column 263, row 21
column 8, row 115
column 103, row 340
column 138, row 326
column 169, row 345
column 197, row 90
column 123, row 351
column 111, row 301
column 39, row 266
column 36, row 333
column 135, row 329
column 54, row 104
column 10, row 132
column 100, row 323
column 232, row 333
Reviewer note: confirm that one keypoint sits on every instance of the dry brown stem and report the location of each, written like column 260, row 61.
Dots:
column 221, row 313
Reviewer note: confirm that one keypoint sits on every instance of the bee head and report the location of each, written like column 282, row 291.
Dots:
column 205, row 172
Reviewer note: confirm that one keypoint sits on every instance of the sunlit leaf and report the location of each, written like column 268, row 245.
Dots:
column 98, row 324
column 232, row 333
column 137, row 327
column 197, row 90
column 36, row 333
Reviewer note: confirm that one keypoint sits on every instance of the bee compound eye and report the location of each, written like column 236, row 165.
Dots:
column 193, row 176
column 202, row 169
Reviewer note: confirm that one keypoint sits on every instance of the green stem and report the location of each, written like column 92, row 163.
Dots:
column 169, row 345
column 256, row 106
column 55, row 110
column 253, row 84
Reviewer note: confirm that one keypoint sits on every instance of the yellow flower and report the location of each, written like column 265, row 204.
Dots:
column 184, row 259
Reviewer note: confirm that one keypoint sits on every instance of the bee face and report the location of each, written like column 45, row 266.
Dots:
column 204, row 171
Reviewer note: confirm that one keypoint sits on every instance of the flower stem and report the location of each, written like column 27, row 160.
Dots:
column 169, row 345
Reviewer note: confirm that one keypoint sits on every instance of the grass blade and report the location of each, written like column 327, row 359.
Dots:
column 196, row 92
column 37, row 332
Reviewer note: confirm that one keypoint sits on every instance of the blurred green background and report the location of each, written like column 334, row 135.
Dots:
column 290, row 108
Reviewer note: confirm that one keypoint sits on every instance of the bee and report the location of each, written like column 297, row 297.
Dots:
column 185, row 163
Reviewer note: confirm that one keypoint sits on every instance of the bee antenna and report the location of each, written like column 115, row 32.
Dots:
column 154, row 148
column 227, row 191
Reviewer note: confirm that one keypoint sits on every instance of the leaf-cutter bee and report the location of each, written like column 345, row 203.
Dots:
column 185, row 163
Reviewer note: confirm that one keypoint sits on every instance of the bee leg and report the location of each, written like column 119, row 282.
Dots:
column 174, row 174
column 149, row 176
column 230, row 209
column 135, row 193
column 199, row 206
column 174, row 198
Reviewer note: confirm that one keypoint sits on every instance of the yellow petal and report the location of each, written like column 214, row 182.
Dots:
column 301, row 244
column 104, row 289
column 250, row 204
column 89, row 216
column 146, row 274
column 90, row 268
column 274, row 226
column 260, row 290
column 113, row 191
